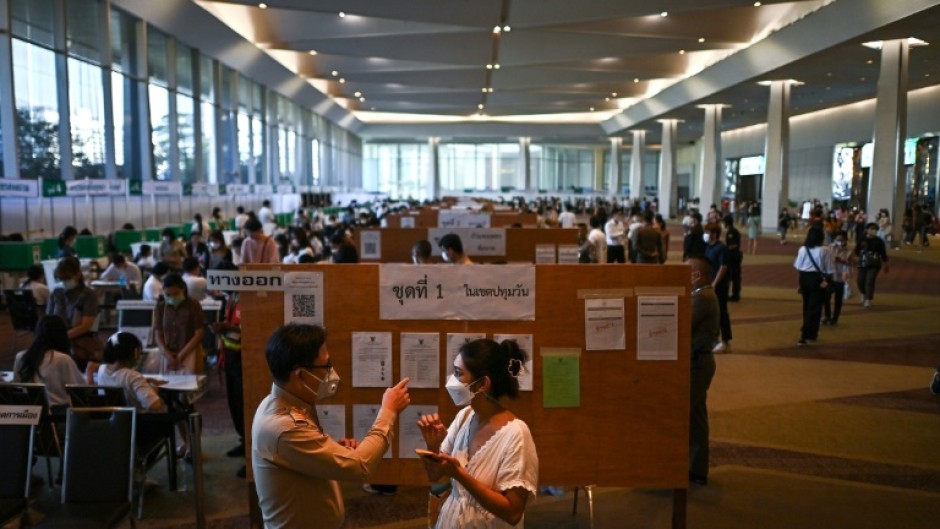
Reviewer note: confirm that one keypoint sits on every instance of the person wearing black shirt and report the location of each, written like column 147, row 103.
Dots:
column 719, row 257
column 870, row 257
column 733, row 243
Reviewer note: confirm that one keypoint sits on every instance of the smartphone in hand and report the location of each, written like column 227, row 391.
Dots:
column 427, row 454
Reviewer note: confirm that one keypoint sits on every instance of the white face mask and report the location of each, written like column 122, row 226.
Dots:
column 706, row 237
column 328, row 386
column 445, row 256
column 460, row 393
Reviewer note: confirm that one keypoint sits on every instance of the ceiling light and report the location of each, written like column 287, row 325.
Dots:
column 497, row 29
column 484, row 90
column 480, row 106
column 312, row 52
column 681, row 52
column 862, row 79
column 362, row 100
column 636, row 79
column 342, row 14
column 262, row 5
column 489, row 90
column 342, row 80
column 358, row 94
column 489, row 66
column 607, row 99
column 373, row 108
column 911, row 41
column 496, row 66
column 869, row 61
column 613, row 94
column 756, row 4
column 664, row 14
column 507, row 29
column 335, row 73
column 592, row 109
column 701, row 39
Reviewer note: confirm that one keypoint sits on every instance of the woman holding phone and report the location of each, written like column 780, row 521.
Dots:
column 487, row 452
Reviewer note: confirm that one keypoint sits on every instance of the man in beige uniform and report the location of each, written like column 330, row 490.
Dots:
column 296, row 465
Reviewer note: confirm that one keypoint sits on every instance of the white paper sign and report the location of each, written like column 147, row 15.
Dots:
column 20, row 414
column 604, row 324
column 525, row 343
column 238, row 189
column 370, row 244
column 303, row 298
column 455, row 341
column 372, row 359
column 544, row 254
column 332, row 419
column 19, row 188
column 264, row 189
column 448, row 218
column 476, row 241
column 93, row 187
column 364, row 416
column 657, row 325
column 567, row 254
column 436, row 292
column 151, row 187
column 421, row 359
column 211, row 190
column 409, row 435
column 406, row 222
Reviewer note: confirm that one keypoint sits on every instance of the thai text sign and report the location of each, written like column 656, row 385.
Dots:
column 455, row 292
column 245, row 280
column 10, row 188
column 16, row 414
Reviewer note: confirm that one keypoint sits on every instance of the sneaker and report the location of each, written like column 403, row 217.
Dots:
column 802, row 343
column 935, row 384
column 866, row 303
column 378, row 491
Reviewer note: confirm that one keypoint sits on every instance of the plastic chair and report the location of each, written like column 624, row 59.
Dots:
column 24, row 313
column 16, row 445
column 99, row 469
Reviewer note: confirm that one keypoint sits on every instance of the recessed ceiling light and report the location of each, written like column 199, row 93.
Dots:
column 926, row 75
column 312, row 52
column 507, row 29
column 613, row 94
column 496, row 66
column 757, row 4
column 592, row 109
column 862, row 79
column 869, row 61
column 497, row 29
column 664, row 14
column 681, row 52
column 342, row 14
column 607, row 99
column 490, row 90
column 829, row 74
column 701, row 39
column 262, row 5
column 480, row 106
column 636, row 79
column 489, row 66
column 342, row 80
column 335, row 73
column 484, row 90
column 373, row 108
column 358, row 94
column 362, row 100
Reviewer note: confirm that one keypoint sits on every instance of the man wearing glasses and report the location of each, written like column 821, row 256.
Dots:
column 295, row 464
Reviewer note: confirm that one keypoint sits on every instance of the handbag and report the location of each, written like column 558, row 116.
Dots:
column 440, row 492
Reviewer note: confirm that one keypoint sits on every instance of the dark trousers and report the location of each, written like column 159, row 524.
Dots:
column 698, row 418
column 866, row 282
column 734, row 274
column 234, row 390
column 615, row 254
column 724, row 319
column 814, row 297
column 832, row 313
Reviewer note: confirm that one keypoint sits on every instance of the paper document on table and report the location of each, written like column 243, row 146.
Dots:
column 525, row 343
column 604, row 324
column 332, row 419
column 371, row 359
column 421, row 359
column 409, row 435
column 657, row 327
column 364, row 416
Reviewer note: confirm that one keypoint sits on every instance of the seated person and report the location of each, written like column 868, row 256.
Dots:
column 47, row 361
column 119, row 268
column 145, row 259
column 121, row 354
column 153, row 288
column 35, row 281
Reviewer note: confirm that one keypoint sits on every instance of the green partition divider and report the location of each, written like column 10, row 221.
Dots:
column 152, row 234
column 124, row 238
column 90, row 246
column 48, row 247
column 20, row 255
column 177, row 229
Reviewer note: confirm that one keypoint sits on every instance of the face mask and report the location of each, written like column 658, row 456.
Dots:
column 214, row 245
column 460, row 393
column 174, row 300
column 328, row 386
column 706, row 237
column 445, row 256
column 69, row 284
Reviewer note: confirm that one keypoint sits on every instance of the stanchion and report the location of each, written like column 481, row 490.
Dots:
column 195, row 439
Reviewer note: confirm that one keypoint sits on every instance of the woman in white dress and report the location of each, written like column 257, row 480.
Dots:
column 487, row 452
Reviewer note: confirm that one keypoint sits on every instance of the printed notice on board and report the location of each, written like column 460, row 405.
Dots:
column 567, row 254
column 525, row 343
column 455, row 341
column 370, row 244
column 371, row 360
column 420, row 359
column 657, row 328
column 604, row 324
column 303, row 298
column 332, row 419
column 364, row 416
column 544, row 254
column 409, row 435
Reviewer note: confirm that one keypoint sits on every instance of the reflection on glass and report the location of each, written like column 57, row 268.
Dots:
column 160, row 131
column 187, row 138
column 229, row 161
column 184, row 68
column 400, row 170
column 156, row 56
column 207, row 140
column 84, row 29
column 315, row 163
column 126, row 146
column 244, row 149
column 86, row 112
column 37, row 111
column 34, row 20
column 258, row 134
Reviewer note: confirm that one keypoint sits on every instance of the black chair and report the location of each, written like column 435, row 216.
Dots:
column 99, row 470
column 24, row 313
column 46, row 440
column 95, row 396
column 16, row 445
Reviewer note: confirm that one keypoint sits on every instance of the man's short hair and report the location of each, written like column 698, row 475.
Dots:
column 253, row 224
column 422, row 249
column 160, row 269
column 291, row 346
column 190, row 263
column 648, row 216
column 452, row 241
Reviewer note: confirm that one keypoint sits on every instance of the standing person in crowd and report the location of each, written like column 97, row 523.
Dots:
column 841, row 255
column 831, row 225
column 35, row 282
column 219, row 218
column 922, row 221
column 198, row 249
column 860, row 223
column 598, row 239
column 240, row 219
column 492, row 491
column 46, row 361
column 200, row 227
column 694, row 234
column 299, row 245
column 783, row 225
column 567, row 219
column 153, row 288
column 296, row 464
column 178, row 327
column 258, row 247
column 646, row 244
column 266, row 214
column 870, row 257
column 615, row 233
column 719, row 257
column 705, row 331
column 237, row 250
column 218, row 251
column 733, row 244
column 885, row 232
column 753, row 229
column 77, row 305
column 814, row 264
column 452, row 250
column 120, row 268
column 65, row 243
column 660, row 224
column 196, row 286
column 172, row 250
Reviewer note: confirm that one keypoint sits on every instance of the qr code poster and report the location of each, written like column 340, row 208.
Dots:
column 303, row 298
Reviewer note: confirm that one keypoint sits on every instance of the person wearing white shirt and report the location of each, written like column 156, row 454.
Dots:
column 34, row 282
column 120, row 268
column 153, row 288
column 598, row 239
column 266, row 214
column 196, row 286
column 567, row 219
column 814, row 264
column 615, row 236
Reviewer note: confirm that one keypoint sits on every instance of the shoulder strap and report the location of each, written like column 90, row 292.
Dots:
column 810, row 255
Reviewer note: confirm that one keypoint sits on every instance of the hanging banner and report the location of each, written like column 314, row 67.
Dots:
column 476, row 241
column 96, row 187
column 285, row 189
column 163, row 188
column 53, row 188
column 264, row 189
column 16, row 188
column 448, row 218
column 435, row 292
column 238, row 189
column 211, row 190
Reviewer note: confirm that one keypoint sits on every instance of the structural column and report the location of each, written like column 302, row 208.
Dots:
column 710, row 180
column 615, row 167
column 525, row 165
column 636, row 165
column 887, row 183
column 775, row 189
column 434, row 168
column 667, row 169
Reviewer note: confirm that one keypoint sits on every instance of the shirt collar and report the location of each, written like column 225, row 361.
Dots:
column 291, row 399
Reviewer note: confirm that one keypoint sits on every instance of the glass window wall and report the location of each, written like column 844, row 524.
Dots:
column 186, row 134
column 86, row 113
column 124, row 92
column 83, row 29
column 34, row 21
column 37, row 110
column 160, row 131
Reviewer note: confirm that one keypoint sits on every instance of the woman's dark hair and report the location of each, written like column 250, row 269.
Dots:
column 291, row 346
column 502, row 362
column 302, row 240
column 252, row 224
column 120, row 348
column 346, row 253
column 68, row 267
column 34, row 273
column 216, row 212
column 168, row 232
column 52, row 334
column 67, row 233
column 217, row 236
column 451, row 241
column 160, row 269
column 175, row 280
column 814, row 237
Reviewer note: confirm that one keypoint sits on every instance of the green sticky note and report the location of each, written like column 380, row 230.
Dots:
column 561, row 381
